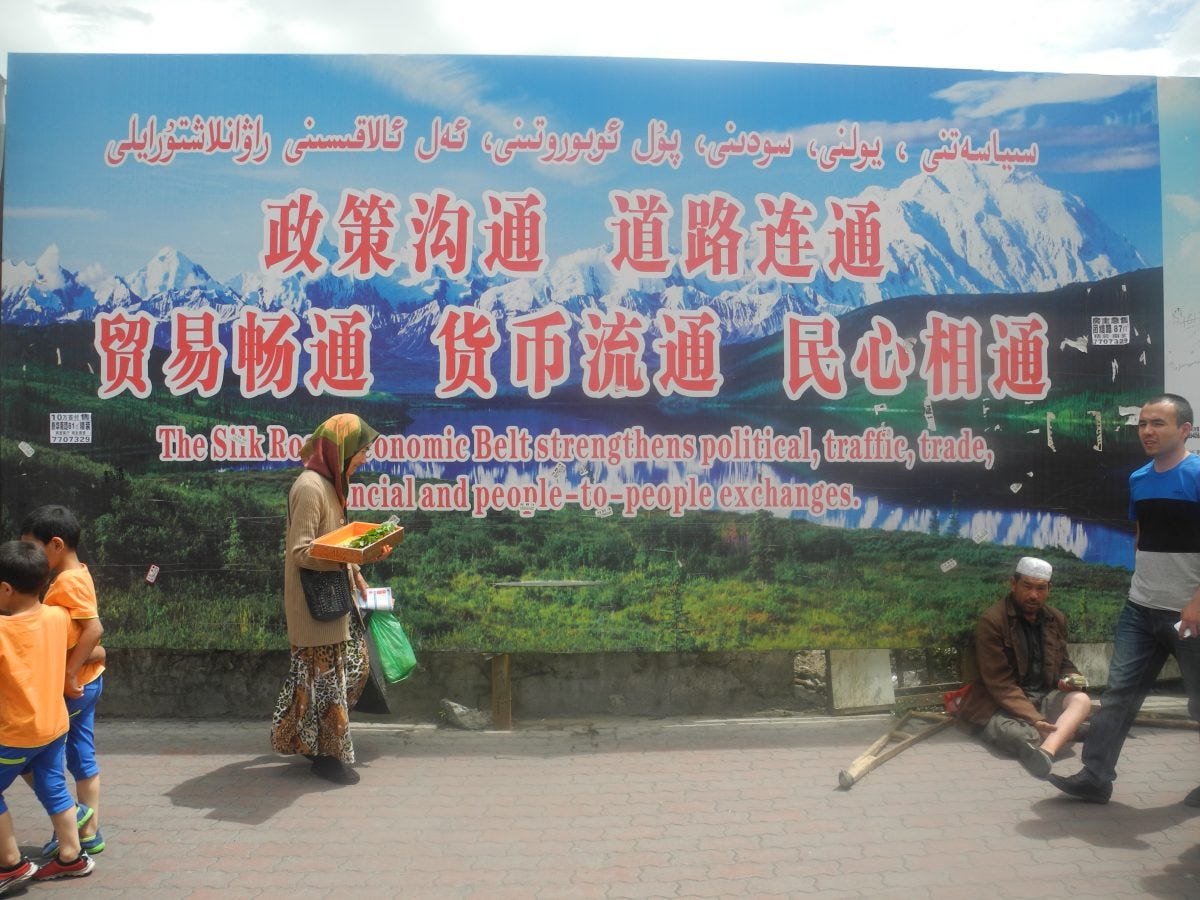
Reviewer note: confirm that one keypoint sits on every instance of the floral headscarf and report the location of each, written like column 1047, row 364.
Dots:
column 333, row 445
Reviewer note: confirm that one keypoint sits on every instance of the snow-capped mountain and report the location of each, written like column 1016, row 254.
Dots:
column 962, row 230
column 168, row 271
column 43, row 292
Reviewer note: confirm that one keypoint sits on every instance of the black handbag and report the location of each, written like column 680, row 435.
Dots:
column 327, row 593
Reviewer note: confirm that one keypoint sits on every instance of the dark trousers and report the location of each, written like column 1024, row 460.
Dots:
column 1143, row 639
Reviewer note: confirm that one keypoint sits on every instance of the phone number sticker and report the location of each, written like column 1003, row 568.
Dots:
column 70, row 428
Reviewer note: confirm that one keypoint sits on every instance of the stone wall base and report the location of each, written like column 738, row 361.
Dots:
column 245, row 685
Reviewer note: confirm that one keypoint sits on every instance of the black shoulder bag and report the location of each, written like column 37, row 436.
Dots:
column 327, row 593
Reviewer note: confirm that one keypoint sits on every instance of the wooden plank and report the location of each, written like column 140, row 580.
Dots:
column 502, row 692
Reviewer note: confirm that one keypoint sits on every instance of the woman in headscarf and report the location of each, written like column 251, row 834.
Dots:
column 329, row 665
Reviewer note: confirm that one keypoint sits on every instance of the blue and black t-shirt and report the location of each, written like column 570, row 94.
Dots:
column 1166, row 506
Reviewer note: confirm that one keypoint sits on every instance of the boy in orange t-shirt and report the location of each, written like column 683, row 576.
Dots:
column 56, row 530
column 34, row 640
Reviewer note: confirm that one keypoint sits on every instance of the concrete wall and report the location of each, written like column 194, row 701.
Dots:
column 234, row 684
column 244, row 685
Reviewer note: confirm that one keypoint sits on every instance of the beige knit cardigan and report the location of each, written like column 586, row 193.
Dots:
column 313, row 510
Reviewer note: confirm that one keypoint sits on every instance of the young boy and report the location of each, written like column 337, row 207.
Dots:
column 34, row 640
column 56, row 530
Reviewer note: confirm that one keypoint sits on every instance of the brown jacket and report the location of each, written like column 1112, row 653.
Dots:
column 1003, row 659
column 313, row 510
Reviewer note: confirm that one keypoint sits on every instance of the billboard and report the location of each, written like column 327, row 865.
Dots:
column 664, row 355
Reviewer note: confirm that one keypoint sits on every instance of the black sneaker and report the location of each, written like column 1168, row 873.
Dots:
column 333, row 769
column 1083, row 786
column 18, row 874
column 1193, row 797
column 1037, row 762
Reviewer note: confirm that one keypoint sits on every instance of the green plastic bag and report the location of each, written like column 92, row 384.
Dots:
column 396, row 656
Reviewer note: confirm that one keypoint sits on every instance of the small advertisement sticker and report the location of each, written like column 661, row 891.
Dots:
column 71, row 428
column 1110, row 330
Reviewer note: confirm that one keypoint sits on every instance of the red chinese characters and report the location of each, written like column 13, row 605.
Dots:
column 712, row 239
column 514, row 233
column 785, row 247
column 124, row 342
column 540, row 343
column 366, row 225
column 441, row 233
column 292, row 231
column 951, row 367
column 266, row 352
column 857, row 246
column 689, row 353
column 197, row 360
column 466, row 339
column 613, row 346
column 882, row 360
column 1019, row 353
column 812, row 357
column 340, row 352
column 639, row 232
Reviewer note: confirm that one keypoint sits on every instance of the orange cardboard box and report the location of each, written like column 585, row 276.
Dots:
column 330, row 546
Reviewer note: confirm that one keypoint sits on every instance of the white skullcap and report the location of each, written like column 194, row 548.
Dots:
column 1032, row 567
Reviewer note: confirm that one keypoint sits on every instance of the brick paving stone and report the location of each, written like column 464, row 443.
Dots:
column 624, row 808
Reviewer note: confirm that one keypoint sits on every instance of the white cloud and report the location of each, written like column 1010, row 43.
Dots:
column 53, row 212
column 1186, row 205
column 993, row 97
column 1118, row 159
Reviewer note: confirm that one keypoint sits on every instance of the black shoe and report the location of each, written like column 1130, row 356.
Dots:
column 333, row 769
column 1081, row 733
column 1083, row 786
column 1037, row 762
column 1193, row 797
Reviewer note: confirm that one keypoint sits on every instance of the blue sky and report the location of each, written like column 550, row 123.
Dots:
column 1097, row 137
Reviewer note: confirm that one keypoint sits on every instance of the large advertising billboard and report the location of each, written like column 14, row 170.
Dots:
column 663, row 355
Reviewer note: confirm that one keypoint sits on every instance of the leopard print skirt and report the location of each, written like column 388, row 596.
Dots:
column 312, row 714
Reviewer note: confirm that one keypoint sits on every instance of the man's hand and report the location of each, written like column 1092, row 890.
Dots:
column 1073, row 682
column 72, row 689
column 1045, row 729
column 1189, row 619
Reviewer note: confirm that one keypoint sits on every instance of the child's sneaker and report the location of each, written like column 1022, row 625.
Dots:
column 92, row 845
column 21, row 872
column 56, row 868
column 83, row 814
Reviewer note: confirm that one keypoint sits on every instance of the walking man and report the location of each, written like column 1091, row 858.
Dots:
column 1162, row 614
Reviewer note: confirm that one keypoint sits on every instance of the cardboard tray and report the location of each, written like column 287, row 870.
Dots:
column 326, row 546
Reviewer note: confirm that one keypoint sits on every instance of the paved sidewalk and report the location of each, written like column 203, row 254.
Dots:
column 624, row 808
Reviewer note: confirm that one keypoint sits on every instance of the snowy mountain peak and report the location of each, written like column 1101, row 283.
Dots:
column 50, row 275
column 169, row 270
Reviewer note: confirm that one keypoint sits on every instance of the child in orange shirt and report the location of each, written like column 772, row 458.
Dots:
column 34, row 640
column 56, row 530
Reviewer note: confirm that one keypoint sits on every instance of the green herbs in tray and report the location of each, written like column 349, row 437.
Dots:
column 367, row 538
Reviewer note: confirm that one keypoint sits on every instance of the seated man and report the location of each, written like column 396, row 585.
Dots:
column 1028, row 698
